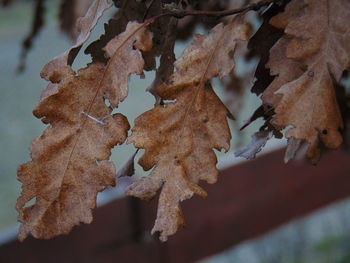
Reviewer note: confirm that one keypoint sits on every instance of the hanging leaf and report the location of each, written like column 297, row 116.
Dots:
column 179, row 136
column 70, row 159
column 70, row 11
column 138, row 11
column 319, row 43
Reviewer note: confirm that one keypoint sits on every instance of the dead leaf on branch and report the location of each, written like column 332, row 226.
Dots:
column 319, row 39
column 179, row 136
column 70, row 11
column 125, row 56
column 259, row 45
column 70, row 159
column 134, row 11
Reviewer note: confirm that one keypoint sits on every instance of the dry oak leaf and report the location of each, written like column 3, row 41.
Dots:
column 70, row 159
column 179, row 137
column 70, row 162
column 320, row 40
column 70, row 11
column 60, row 66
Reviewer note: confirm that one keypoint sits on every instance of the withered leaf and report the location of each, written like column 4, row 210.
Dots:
column 179, row 136
column 134, row 11
column 60, row 66
column 70, row 11
column 125, row 56
column 127, row 11
column 70, row 159
column 260, row 44
column 319, row 42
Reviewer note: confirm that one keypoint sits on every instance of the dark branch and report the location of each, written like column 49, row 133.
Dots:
column 180, row 13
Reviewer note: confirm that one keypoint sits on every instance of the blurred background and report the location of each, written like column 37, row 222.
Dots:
column 322, row 236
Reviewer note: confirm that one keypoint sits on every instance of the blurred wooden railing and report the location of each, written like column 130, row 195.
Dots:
column 248, row 200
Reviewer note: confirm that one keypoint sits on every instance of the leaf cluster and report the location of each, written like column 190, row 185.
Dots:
column 304, row 54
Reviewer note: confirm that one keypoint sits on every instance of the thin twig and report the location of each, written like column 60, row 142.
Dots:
column 180, row 13
column 147, row 10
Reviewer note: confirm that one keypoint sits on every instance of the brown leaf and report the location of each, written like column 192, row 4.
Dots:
column 179, row 136
column 70, row 160
column 132, row 10
column 70, row 11
column 125, row 56
column 284, row 69
column 260, row 44
column 127, row 11
column 319, row 39
column 59, row 67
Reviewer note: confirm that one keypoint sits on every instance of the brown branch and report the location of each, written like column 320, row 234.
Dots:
column 180, row 13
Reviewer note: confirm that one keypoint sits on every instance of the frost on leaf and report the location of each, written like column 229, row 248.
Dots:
column 316, row 52
column 179, row 136
column 70, row 159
